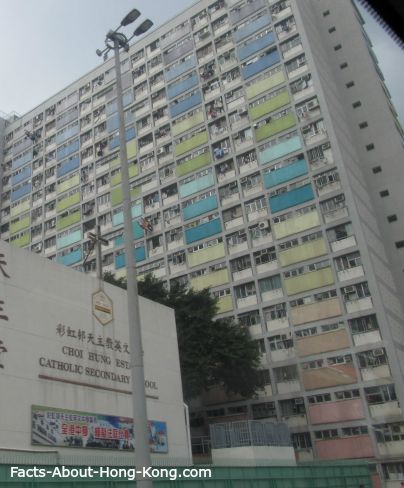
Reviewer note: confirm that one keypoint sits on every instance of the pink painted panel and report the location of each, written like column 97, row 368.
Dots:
column 346, row 448
column 323, row 413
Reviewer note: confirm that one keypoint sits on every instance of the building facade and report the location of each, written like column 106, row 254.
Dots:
column 265, row 153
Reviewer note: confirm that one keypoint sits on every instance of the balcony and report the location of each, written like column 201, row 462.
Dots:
column 295, row 420
column 283, row 354
column 385, row 410
column 381, row 372
column 236, row 222
column 370, row 337
column 303, row 93
column 234, row 197
column 288, row 386
column 315, row 137
column 262, row 239
column 247, row 301
column 336, row 214
column 268, row 296
column 242, row 274
column 324, row 190
column 342, row 244
column 392, row 448
column 359, row 305
column 228, row 175
column 293, row 51
column 277, row 16
column 177, row 268
column 350, row 273
column 239, row 247
column 245, row 168
column 257, row 214
column 175, row 243
column 277, row 324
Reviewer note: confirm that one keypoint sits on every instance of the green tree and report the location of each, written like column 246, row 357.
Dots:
column 212, row 352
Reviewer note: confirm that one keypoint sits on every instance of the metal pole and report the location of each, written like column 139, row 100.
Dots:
column 98, row 252
column 142, row 450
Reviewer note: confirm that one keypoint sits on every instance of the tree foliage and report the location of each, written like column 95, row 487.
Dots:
column 212, row 352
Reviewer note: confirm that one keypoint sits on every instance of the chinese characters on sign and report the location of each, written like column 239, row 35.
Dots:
column 3, row 316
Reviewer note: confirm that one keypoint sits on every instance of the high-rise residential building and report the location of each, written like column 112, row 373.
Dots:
column 266, row 156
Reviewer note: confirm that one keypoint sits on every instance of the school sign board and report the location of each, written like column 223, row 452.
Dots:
column 65, row 378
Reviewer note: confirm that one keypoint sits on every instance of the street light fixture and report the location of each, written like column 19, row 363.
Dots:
column 115, row 41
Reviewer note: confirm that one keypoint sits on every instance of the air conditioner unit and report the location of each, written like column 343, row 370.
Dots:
column 160, row 150
column 378, row 352
column 312, row 104
column 299, row 401
column 242, row 110
column 263, row 225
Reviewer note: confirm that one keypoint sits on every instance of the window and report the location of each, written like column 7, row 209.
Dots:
column 331, row 30
column 325, row 13
column 356, row 104
column 350, row 84
column 370, row 147
column 363, row 125
column 343, row 65
column 326, row 434
column 377, row 169
column 384, row 193
column 352, row 431
column 337, row 48
column 399, row 244
column 346, row 395
column 392, row 218
column 376, row 395
column 362, row 325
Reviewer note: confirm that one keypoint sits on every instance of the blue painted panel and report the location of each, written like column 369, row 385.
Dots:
column 129, row 134
column 137, row 233
column 202, row 231
column 20, row 161
column 279, row 150
column 67, row 134
column 291, row 198
column 255, row 46
column 21, row 192
column 197, row 185
column 179, row 69
column 63, row 152
column 263, row 63
column 127, row 98
column 139, row 255
column 251, row 28
column 199, row 208
column 69, row 239
column 71, row 258
column 67, row 166
column 23, row 175
column 186, row 104
column 112, row 123
column 182, row 86
column 117, row 219
column 111, row 107
column 281, row 175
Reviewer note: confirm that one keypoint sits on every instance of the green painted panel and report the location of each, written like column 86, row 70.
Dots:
column 278, row 125
column 265, row 85
column 308, row 250
column 191, row 143
column 270, row 105
column 225, row 304
column 216, row 278
column 22, row 207
column 71, row 219
column 69, row 183
column 131, row 148
column 309, row 281
column 133, row 171
column 117, row 198
column 68, row 202
column 115, row 162
column 193, row 164
column 21, row 224
column 187, row 124
column 22, row 241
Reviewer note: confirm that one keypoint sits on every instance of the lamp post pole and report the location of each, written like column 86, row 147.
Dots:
column 141, row 431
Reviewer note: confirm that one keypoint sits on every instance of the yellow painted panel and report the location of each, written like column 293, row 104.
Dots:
column 225, row 304
column 21, row 224
column 265, row 84
column 206, row 255
column 212, row 279
column 309, row 281
column 296, row 224
column 115, row 162
column 133, row 171
column 22, row 240
column 312, row 312
column 308, row 250
column 22, row 207
column 68, row 202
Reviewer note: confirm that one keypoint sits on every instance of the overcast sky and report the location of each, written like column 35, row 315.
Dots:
column 47, row 44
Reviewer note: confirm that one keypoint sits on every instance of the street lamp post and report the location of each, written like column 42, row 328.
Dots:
column 116, row 41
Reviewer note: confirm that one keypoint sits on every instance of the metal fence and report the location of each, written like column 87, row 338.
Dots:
column 249, row 433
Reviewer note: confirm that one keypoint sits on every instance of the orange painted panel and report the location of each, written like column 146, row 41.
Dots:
column 323, row 413
column 337, row 374
column 345, row 448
